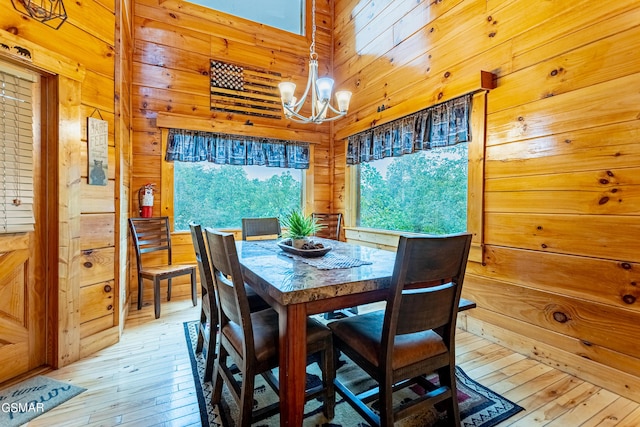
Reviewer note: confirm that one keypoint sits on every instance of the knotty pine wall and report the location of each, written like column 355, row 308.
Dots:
column 174, row 43
column 123, row 130
column 89, row 283
column 560, row 278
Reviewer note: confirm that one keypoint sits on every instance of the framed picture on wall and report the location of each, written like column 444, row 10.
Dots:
column 98, row 151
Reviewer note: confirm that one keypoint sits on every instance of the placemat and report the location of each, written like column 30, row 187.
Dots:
column 329, row 261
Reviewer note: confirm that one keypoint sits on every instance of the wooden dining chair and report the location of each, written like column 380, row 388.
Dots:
column 252, row 338
column 153, row 236
column 256, row 228
column 331, row 223
column 414, row 335
column 208, row 325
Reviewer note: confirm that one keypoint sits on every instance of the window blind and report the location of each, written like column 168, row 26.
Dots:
column 16, row 150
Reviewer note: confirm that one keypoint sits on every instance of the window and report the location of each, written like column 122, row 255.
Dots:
column 220, row 178
column 469, row 159
column 16, row 150
column 219, row 196
column 286, row 15
column 423, row 192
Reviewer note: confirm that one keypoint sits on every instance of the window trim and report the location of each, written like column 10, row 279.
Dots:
column 475, row 191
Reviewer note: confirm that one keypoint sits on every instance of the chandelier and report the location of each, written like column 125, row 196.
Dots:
column 320, row 89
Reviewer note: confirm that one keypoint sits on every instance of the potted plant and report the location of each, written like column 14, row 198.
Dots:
column 299, row 227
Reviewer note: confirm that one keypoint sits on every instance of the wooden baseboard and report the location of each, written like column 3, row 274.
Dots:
column 608, row 378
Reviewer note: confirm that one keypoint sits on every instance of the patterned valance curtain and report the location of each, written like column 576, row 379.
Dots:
column 438, row 126
column 194, row 146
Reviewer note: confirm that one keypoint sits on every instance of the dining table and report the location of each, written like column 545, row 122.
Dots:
column 296, row 287
column 348, row 275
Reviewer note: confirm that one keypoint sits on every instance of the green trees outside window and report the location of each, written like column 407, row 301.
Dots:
column 424, row 192
column 219, row 196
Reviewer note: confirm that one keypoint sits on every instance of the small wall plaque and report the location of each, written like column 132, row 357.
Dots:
column 98, row 151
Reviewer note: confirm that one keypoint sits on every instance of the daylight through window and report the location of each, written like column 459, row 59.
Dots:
column 286, row 15
column 424, row 192
column 219, row 196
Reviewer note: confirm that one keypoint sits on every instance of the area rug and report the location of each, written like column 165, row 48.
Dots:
column 28, row 399
column 479, row 406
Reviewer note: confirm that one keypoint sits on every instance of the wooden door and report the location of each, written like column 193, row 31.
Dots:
column 21, row 308
column 23, row 283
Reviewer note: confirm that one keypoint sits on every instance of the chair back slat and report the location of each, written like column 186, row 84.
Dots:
column 256, row 227
column 331, row 222
column 427, row 282
column 425, row 308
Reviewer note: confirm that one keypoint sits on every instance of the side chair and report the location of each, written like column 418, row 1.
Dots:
column 332, row 223
column 414, row 335
column 208, row 326
column 251, row 339
column 152, row 235
column 260, row 228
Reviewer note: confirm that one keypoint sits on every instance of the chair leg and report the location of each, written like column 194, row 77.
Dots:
column 156, row 296
column 386, row 402
column 211, row 343
column 447, row 377
column 139, row 291
column 201, row 333
column 328, row 358
column 211, row 357
column 216, row 380
column 169, row 290
column 194, row 292
column 246, row 398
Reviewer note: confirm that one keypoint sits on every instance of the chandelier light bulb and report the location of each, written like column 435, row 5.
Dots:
column 286, row 92
column 343, row 97
column 324, row 87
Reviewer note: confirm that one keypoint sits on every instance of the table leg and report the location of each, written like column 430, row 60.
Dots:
column 293, row 363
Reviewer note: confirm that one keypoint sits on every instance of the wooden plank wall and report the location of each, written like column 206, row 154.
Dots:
column 173, row 45
column 560, row 278
column 86, row 38
column 123, row 130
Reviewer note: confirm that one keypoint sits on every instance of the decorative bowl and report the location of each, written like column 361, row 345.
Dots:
column 307, row 253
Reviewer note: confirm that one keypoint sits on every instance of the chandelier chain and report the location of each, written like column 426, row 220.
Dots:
column 319, row 90
column 312, row 48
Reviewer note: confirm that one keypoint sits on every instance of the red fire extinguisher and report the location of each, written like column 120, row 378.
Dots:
column 145, row 200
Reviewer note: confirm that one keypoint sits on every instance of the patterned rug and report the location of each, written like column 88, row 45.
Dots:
column 28, row 399
column 479, row 406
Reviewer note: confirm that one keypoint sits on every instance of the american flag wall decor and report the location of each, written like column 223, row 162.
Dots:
column 244, row 90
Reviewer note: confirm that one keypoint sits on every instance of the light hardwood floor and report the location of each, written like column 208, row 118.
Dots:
column 146, row 380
